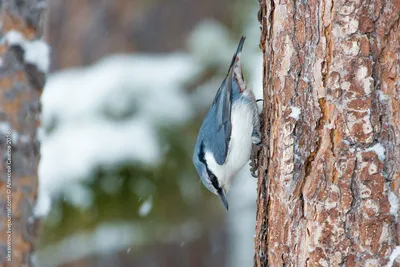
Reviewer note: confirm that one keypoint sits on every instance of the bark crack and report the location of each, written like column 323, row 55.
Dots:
column 319, row 129
column 326, row 64
column 354, row 202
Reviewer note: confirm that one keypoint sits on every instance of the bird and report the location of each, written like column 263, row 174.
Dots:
column 229, row 132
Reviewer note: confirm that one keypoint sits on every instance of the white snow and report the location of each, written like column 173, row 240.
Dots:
column 107, row 114
column 379, row 150
column 78, row 195
column 393, row 256
column 106, row 238
column 43, row 202
column 36, row 52
column 295, row 114
column 14, row 38
column 4, row 127
column 146, row 207
column 394, row 204
column 151, row 84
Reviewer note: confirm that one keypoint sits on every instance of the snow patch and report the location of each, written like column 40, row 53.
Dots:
column 106, row 238
column 43, row 203
column 108, row 114
column 393, row 256
column 14, row 38
column 36, row 52
column 295, row 114
column 379, row 150
column 146, row 207
column 4, row 127
column 394, row 204
column 79, row 196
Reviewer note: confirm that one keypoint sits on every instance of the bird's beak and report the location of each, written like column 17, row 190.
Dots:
column 222, row 195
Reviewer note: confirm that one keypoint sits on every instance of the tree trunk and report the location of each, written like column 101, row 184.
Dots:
column 330, row 168
column 21, row 83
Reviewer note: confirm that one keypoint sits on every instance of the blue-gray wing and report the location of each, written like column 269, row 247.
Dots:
column 222, row 133
column 217, row 127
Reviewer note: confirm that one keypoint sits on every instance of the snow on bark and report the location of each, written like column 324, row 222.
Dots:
column 323, row 199
column 35, row 52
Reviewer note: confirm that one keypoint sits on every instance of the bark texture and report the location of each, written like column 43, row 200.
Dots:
column 20, row 88
column 328, row 174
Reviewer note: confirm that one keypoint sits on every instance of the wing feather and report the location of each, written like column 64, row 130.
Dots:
column 217, row 123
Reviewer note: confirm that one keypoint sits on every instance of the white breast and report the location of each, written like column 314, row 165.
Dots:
column 239, row 146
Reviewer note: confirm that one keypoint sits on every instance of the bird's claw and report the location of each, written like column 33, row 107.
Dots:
column 259, row 145
column 254, row 160
column 254, row 173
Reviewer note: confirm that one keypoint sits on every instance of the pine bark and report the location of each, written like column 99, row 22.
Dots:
column 326, row 176
column 21, row 85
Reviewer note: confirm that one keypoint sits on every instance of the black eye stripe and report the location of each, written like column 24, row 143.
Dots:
column 202, row 154
column 213, row 178
column 214, row 182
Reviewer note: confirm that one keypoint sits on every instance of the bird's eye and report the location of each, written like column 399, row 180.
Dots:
column 214, row 181
column 213, row 178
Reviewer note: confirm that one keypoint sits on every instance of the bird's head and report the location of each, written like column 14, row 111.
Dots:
column 213, row 183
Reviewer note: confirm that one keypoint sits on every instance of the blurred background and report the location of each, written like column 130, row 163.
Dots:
column 129, row 85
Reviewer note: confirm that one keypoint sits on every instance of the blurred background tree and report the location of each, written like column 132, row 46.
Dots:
column 123, row 26
column 131, row 81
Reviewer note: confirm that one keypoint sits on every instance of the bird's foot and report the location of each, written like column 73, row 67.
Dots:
column 256, row 139
column 254, row 160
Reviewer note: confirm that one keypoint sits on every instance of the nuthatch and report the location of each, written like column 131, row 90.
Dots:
column 228, row 132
